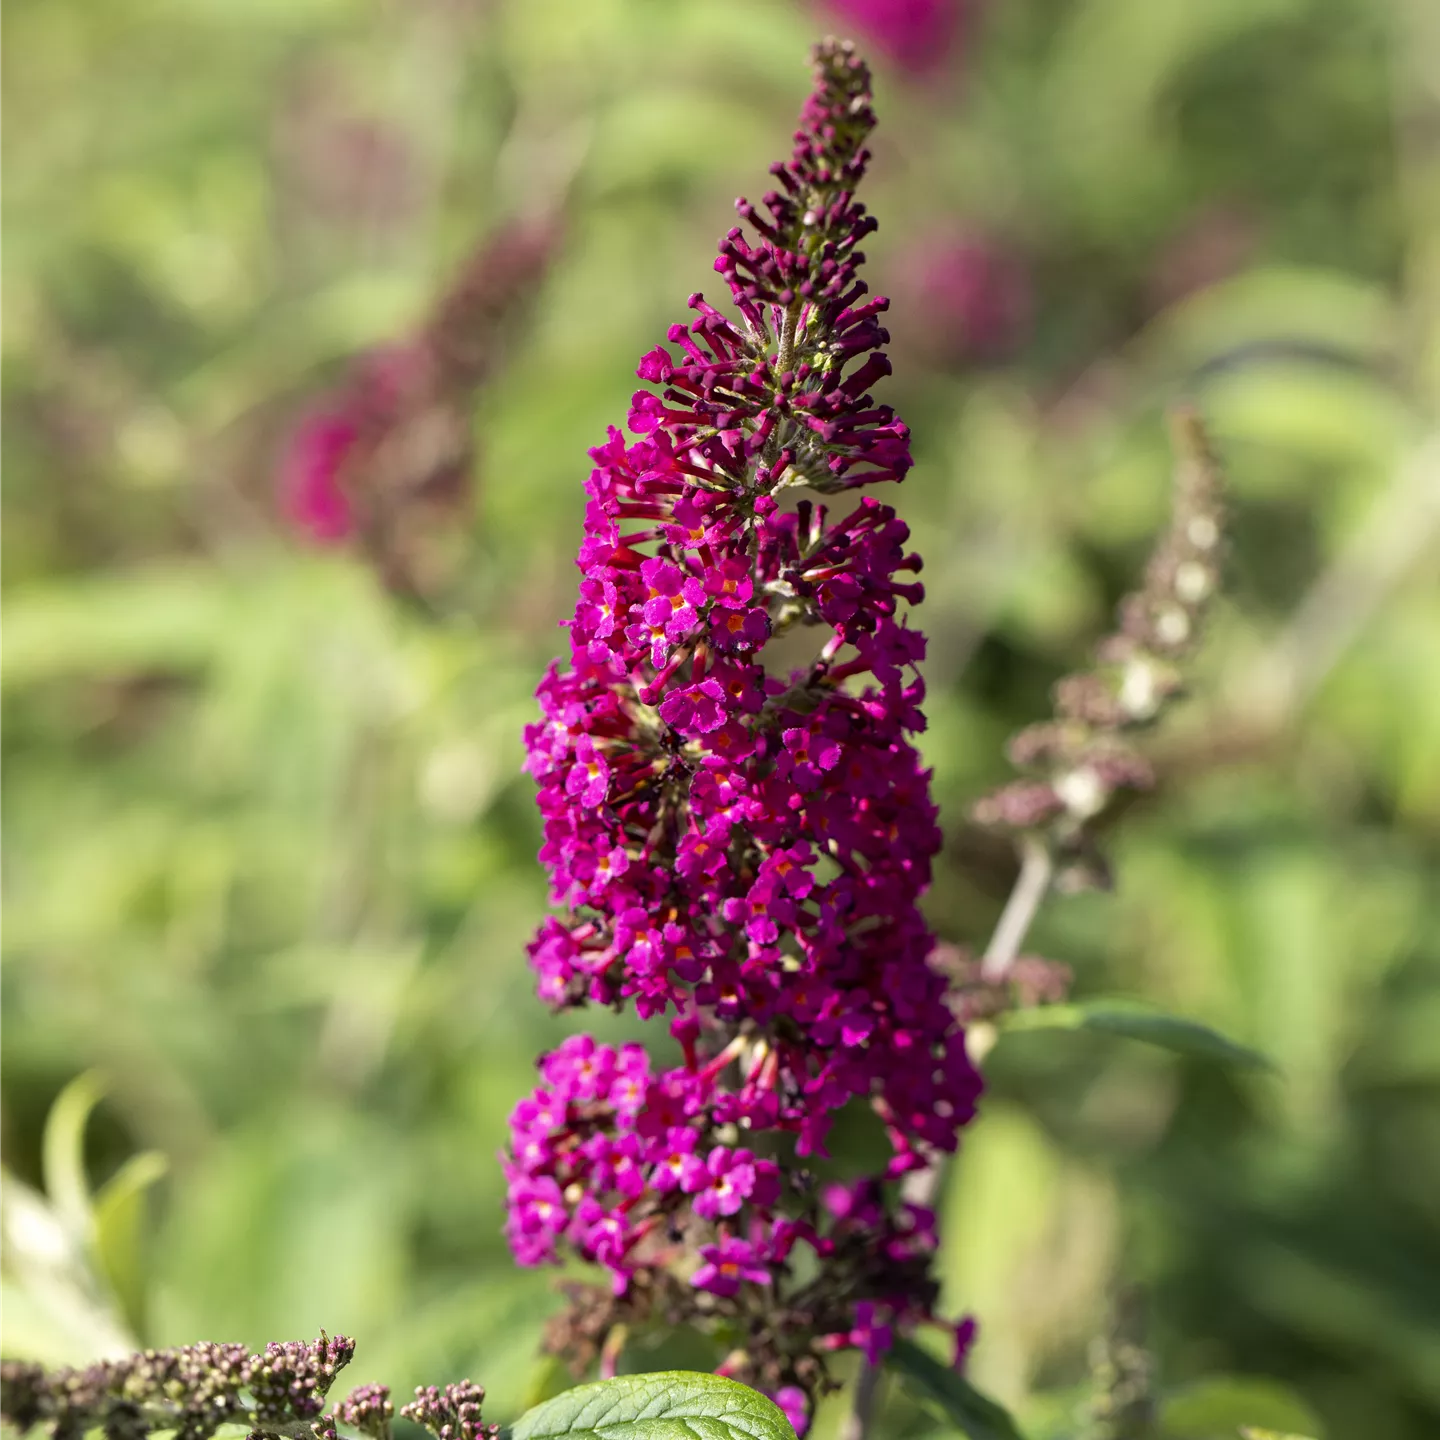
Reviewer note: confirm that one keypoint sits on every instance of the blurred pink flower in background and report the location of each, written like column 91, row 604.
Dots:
column 965, row 298
column 310, row 492
column 369, row 402
column 386, row 459
column 917, row 35
column 796, row 1408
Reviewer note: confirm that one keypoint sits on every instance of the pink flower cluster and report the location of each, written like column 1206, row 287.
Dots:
column 969, row 296
column 384, row 461
column 372, row 400
column 917, row 35
column 735, row 846
column 635, row 1147
column 608, row 1156
column 736, row 843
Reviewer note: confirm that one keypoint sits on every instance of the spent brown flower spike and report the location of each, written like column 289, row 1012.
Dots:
column 1081, row 759
column 190, row 1392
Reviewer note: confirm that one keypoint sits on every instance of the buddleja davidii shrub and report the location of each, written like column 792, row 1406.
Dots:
column 740, row 847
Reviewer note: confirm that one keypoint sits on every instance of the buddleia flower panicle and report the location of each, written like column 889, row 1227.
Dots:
column 734, row 844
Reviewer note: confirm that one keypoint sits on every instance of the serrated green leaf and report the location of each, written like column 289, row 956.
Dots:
column 977, row 1415
column 679, row 1405
column 1224, row 1404
column 120, row 1231
column 1138, row 1022
column 63, row 1153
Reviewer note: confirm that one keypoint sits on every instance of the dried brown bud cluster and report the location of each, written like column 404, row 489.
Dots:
column 1123, row 1374
column 192, row 1391
column 1081, row 758
column 1029, row 981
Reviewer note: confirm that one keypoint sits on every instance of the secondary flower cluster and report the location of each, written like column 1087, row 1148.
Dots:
column 385, row 460
column 739, row 843
column 971, row 297
column 917, row 35
column 194, row 1390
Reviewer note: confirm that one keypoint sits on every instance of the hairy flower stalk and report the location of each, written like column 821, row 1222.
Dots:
column 191, row 1392
column 741, row 846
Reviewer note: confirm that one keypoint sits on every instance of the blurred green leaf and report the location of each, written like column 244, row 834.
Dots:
column 548, row 1379
column 66, row 1183
column 120, row 1231
column 977, row 1415
column 1216, row 1407
column 1324, row 413
column 1327, row 311
column 55, row 1307
column 168, row 618
column 1117, row 155
column 680, row 1405
column 1135, row 1021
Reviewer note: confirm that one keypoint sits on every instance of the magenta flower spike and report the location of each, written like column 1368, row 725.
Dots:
column 735, row 842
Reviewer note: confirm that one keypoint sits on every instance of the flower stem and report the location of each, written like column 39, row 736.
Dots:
column 1037, row 870
column 862, row 1412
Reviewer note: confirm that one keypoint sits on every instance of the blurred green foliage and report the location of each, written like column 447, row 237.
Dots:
column 270, row 860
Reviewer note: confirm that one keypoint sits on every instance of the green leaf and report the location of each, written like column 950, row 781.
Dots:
column 977, row 1415
column 63, row 1153
column 1134, row 1021
column 680, row 1405
column 54, row 1309
column 1221, row 1405
column 120, row 1232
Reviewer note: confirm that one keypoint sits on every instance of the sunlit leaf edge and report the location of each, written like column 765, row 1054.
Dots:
column 976, row 1414
column 1134, row 1021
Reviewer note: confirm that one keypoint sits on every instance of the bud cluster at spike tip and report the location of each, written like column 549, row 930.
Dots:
column 738, row 849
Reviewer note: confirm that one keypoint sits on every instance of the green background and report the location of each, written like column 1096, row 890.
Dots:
column 270, row 860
